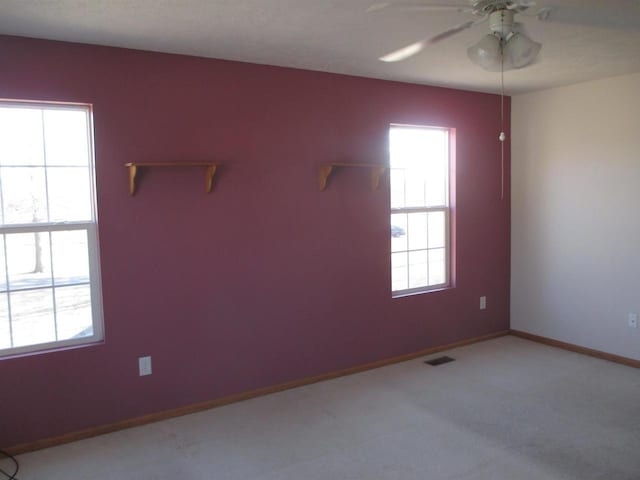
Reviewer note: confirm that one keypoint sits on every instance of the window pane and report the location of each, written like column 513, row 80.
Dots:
column 66, row 137
column 418, row 269
column 437, row 267
column 409, row 146
column 21, row 136
column 415, row 190
column 3, row 266
column 73, row 312
column 70, row 257
column 24, row 195
column 399, row 277
column 436, row 182
column 396, row 179
column 69, row 194
column 436, row 229
column 32, row 317
column 28, row 260
column 423, row 152
column 398, row 232
column 5, row 332
column 417, row 231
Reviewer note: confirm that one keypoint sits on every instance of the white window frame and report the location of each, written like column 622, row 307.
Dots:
column 446, row 209
column 90, row 227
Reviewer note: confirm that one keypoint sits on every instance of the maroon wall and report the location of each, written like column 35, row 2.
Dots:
column 266, row 279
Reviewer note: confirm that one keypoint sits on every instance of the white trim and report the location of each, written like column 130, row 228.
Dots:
column 415, row 291
column 44, row 104
column 96, row 283
column 50, row 346
column 44, row 227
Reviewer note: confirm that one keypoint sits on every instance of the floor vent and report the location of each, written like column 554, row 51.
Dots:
column 439, row 361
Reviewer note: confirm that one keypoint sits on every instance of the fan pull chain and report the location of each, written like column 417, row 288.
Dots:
column 502, row 136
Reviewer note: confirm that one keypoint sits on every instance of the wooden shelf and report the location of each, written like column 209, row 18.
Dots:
column 209, row 173
column 326, row 170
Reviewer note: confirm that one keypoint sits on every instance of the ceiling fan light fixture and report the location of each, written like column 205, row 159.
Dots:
column 486, row 53
column 520, row 50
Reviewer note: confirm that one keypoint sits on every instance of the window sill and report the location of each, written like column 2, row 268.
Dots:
column 50, row 349
column 412, row 293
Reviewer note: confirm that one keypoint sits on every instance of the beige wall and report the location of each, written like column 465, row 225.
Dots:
column 575, row 268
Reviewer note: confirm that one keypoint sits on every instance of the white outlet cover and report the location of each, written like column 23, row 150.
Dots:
column 632, row 320
column 144, row 366
column 483, row 303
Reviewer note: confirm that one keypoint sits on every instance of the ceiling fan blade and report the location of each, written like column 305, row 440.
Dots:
column 418, row 7
column 454, row 30
column 405, row 52
column 521, row 5
column 596, row 16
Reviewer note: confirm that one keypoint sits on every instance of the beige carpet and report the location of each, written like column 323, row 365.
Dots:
column 505, row 409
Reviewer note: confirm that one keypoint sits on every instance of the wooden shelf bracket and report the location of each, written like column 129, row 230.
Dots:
column 133, row 171
column 209, row 173
column 325, row 172
column 327, row 169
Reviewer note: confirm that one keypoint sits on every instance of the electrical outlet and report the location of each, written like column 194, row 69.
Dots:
column 483, row 303
column 632, row 320
column 144, row 366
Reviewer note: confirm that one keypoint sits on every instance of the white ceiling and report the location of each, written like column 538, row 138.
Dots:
column 337, row 36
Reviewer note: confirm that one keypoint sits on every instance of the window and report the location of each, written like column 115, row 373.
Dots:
column 49, row 272
column 419, row 175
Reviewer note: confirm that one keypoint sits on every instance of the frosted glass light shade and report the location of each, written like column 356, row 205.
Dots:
column 520, row 50
column 486, row 53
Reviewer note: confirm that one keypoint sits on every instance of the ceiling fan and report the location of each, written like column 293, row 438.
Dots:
column 506, row 46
